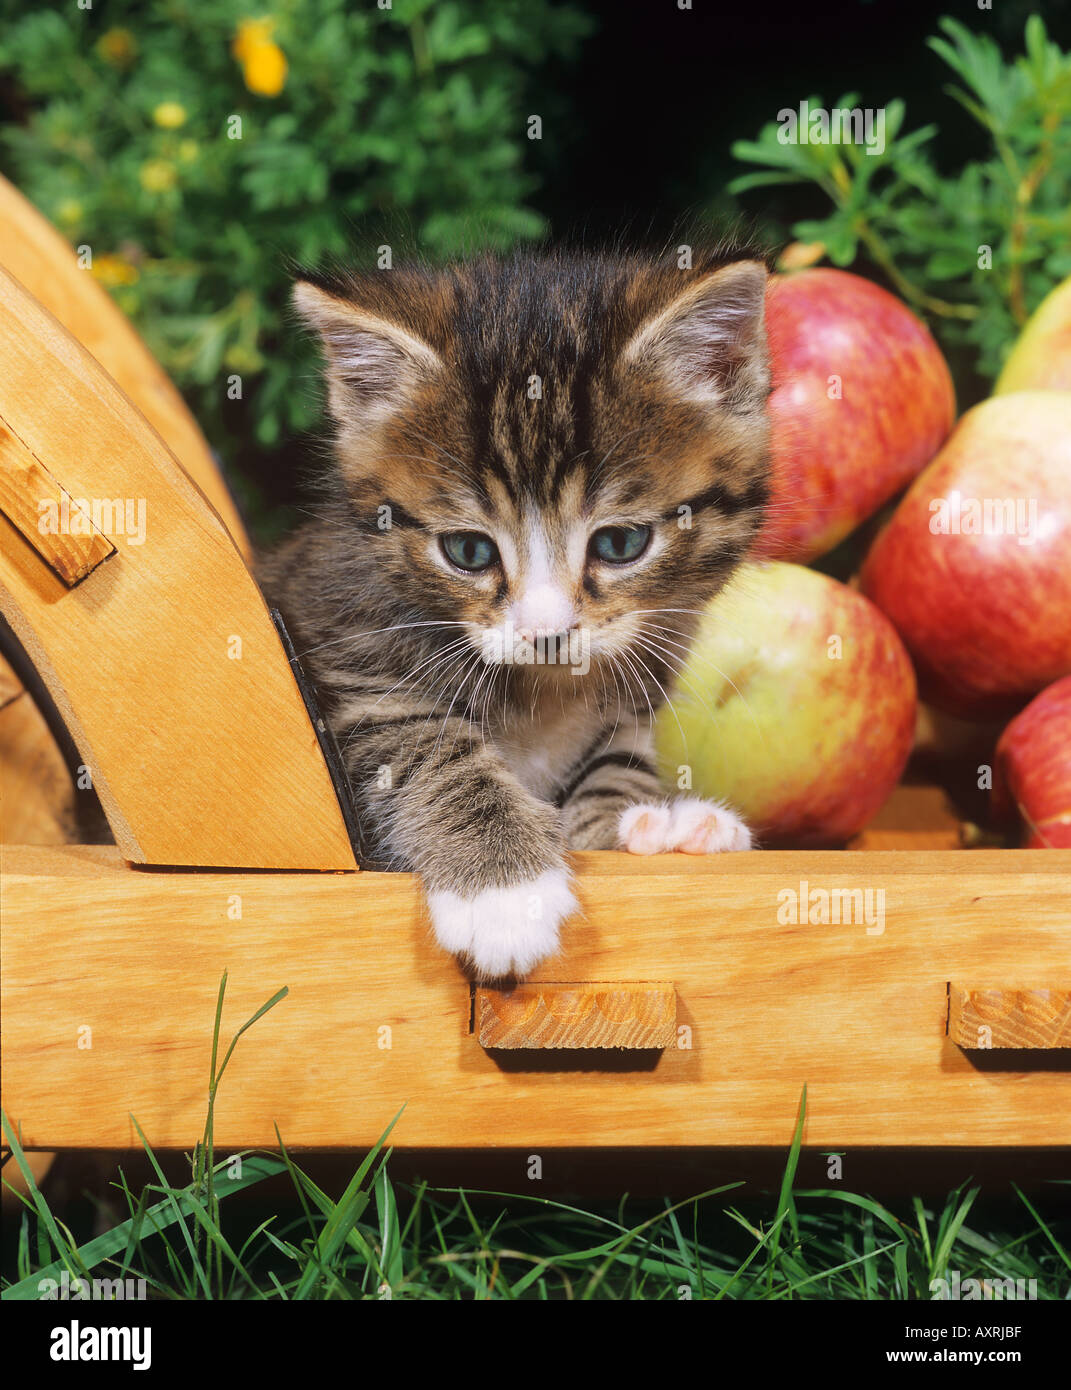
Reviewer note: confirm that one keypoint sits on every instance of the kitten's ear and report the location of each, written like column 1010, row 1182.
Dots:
column 709, row 343
column 373, row 364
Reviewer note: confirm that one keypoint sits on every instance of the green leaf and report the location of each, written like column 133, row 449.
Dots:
column 837, row 233
column 746, row 181
column 951, row 264
column 769, row 151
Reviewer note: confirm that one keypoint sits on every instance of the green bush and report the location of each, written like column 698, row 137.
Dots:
column 975, row 248
column 352, row 117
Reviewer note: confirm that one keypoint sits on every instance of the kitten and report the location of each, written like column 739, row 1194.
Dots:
column 546, row 465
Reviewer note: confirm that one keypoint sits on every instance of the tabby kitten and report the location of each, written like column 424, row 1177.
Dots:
column 546, row 465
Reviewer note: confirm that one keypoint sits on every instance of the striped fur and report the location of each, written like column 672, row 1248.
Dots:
column 533, row 400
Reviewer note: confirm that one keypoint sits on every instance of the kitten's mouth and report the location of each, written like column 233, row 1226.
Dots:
column 507, row 646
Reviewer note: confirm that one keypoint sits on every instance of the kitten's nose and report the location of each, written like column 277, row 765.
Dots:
column 544, row 610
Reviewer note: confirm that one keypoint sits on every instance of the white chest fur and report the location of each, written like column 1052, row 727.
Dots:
column 542, row 751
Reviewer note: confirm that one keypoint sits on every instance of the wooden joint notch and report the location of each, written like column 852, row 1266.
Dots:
column 46, row 515
column 981, row 1018
column 574, row 1015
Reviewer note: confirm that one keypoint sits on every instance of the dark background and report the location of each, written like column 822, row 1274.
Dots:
column 660, row 94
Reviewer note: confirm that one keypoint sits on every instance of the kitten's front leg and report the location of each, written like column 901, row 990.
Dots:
column 490, row 854
column 614, row 801
column 614, row 774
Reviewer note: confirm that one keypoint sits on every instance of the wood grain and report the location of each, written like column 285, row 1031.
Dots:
column 576, row 1015
column 164, row 663
column 913, row 817
column 74, row 547
column 981, row 1018
column 377, row 1016
column 10, row 685
column 36, row 254
column 36, row 793
column 15, row 1183
column 36, row 808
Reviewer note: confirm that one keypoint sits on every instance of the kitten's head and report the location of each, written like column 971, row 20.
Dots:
column 541, row 445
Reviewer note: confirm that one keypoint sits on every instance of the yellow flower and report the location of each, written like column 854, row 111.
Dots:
column 157, row 176
column 801, row 254
column 69, row 211
column 264, row 65
column 117, row 47
column 114, row 270
column 170, row 115
column 252, row 32
column 265, row 70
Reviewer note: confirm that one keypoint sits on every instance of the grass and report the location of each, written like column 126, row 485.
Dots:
column 373, row 1241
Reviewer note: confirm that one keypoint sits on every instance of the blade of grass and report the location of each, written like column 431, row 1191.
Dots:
column 102, row 1247
column 943, row 1249
column 306, row 1186
column 218, row 1241
column 343, row 1217
column 785, row 1203
column 828, row 1273
column 924, row 1232
column 1049, row 1235
column 67, row 1255
column 206, row 1152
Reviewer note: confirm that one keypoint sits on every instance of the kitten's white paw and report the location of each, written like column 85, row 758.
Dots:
column 707, row 827
column 687, row 825
column 504, row 931
column 644, row 829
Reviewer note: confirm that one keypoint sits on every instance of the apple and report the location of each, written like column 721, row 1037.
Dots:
column 974, row 567
column 1032, row 771
column 1041, row 357
column 861, row 401
column 796, row 705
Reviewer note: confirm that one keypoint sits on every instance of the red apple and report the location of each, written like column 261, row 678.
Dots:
column 1033, row 768
column 861, row 401
column 974, row 568
column 796, row 705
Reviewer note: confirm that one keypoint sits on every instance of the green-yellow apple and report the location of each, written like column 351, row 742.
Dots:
column 1032, row 772
column 974, row 567
column 1041, row 357
column 796, row 705
column 861, row 401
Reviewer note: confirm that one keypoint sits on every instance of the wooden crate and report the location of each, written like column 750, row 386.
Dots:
column 718, row 1004
column 110, row 978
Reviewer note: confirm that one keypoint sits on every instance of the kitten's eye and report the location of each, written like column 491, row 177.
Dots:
column 469, row 550
column 618, row 545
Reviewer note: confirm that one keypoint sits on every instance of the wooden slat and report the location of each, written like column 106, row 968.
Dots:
column 378, row 1016
column 36, row 794
column 914, row 817
column 164, row 663
column 981, row 1018
column 74, row 547
column 577, row 1015
column 15, row 1184
column 36, row 808
column 36, row 255
column 10, row 685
